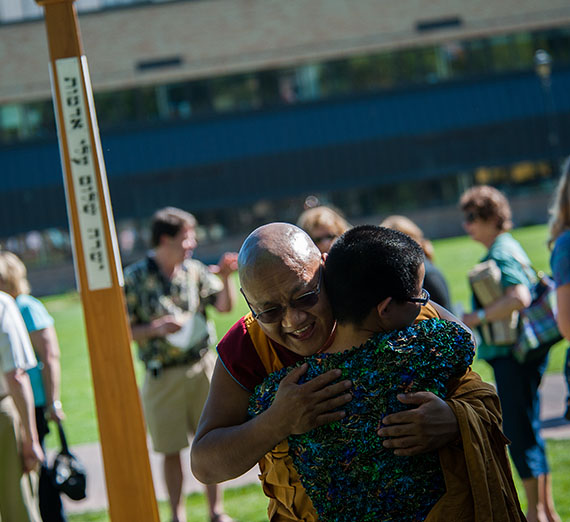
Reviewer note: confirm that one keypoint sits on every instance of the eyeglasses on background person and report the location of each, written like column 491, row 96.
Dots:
column 422, row 300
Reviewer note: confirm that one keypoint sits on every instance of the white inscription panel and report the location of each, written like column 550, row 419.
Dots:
column 85, row 186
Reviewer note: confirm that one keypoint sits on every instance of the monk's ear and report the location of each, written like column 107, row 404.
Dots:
column 382, row 306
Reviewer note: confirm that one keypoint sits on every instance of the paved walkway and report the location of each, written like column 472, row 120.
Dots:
column 553, row 392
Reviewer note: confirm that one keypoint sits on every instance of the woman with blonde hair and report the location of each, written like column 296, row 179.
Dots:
column 434, row 281
column 559, row 242
column 323, row 225
column 45, row 378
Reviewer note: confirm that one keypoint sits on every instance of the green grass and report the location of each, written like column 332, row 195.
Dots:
column 454, row 256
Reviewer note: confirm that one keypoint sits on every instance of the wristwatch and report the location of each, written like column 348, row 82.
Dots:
column 481, row 315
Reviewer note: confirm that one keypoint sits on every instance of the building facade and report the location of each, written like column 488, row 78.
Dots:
column 237, row 109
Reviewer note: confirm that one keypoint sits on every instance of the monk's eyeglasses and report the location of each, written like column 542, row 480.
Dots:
column 276, row 313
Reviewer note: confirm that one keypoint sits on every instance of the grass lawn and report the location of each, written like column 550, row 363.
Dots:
column 454, row 256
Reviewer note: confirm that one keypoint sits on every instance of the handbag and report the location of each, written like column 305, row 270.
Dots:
column 67, row 472
column 538, row 330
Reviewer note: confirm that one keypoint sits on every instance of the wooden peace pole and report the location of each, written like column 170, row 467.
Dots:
column 98, row 271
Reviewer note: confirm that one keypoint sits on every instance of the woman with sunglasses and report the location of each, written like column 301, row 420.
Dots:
column 487, row 220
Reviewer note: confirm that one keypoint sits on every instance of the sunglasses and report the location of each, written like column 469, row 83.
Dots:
column 276, row 313
column 423, row 300
column 470, row 217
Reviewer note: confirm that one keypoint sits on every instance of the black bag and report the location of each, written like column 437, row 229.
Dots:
column 67, row 473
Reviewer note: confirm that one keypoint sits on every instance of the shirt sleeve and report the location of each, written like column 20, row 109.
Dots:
column 131, row 295
column 508, row 257
column 560, row 260
column 35, row 315
column 15, row 347
column 210, row 284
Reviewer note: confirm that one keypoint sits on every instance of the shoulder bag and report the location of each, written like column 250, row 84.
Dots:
column 538, row 330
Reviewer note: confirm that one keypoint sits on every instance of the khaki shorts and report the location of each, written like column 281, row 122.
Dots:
column 173, row 403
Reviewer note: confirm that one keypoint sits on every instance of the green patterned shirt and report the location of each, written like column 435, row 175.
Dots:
column 150, row 295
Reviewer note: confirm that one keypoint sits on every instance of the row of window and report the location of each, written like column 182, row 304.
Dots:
column 53, row 246
column 261, row 89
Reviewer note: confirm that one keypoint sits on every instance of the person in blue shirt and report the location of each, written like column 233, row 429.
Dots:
column 45, row 377
column 559, row 242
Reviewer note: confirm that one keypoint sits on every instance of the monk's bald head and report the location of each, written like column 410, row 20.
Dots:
column 276, row 245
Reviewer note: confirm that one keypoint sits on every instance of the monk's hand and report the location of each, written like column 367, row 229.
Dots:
column 429, row 426
column 313, row 403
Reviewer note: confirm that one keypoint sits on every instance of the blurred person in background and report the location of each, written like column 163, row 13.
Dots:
column 323, row 225
column 45, row 377
column 167, row 293
column 487, row 220
column 559, row 242
column 434, row 281
column 20, row 449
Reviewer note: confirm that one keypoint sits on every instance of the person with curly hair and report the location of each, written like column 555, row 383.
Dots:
column 488, row 220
